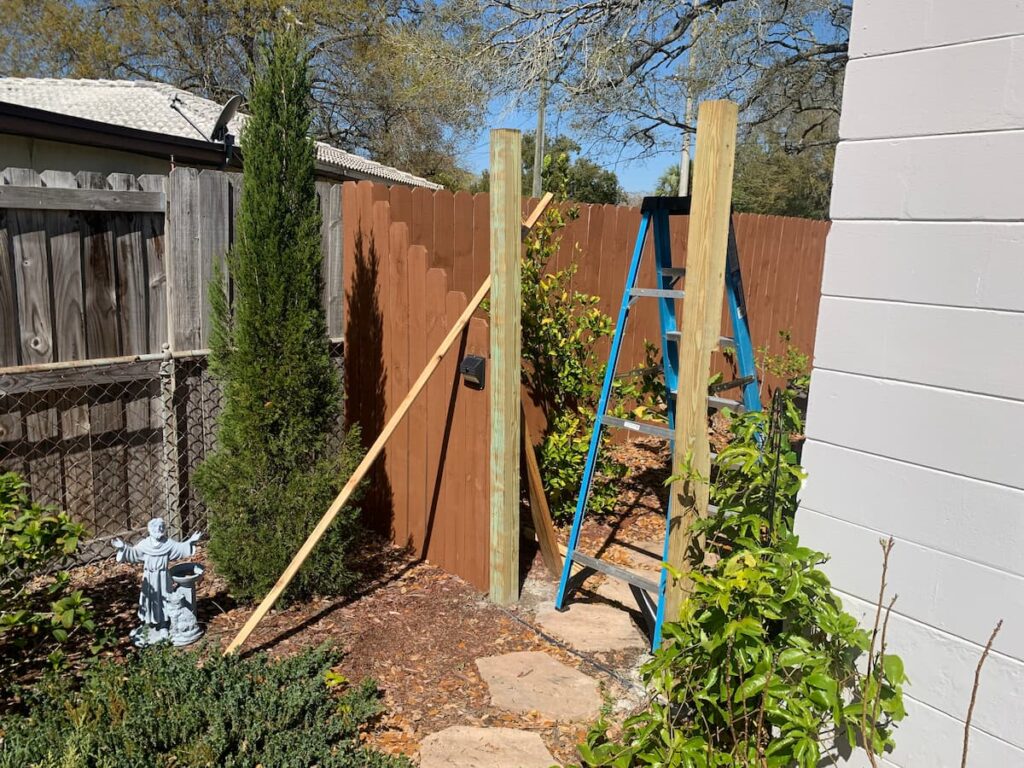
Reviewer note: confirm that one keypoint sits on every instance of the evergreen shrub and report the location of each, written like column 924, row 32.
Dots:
column 161, row 709
column 279, row 460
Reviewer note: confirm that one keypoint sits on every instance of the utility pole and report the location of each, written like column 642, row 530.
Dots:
column 538, row 141
column 684, row 156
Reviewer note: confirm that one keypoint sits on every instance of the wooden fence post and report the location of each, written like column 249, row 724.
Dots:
column 506, row 343
column 702, row 321
column 169, row 446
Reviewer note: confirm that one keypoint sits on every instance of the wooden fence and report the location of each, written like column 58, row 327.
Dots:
column 104, row 270
column 430, row 489
column 412, row 257
column 100, row 267
column 781, row 259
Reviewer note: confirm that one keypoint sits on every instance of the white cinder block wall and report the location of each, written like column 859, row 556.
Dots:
column 916, row 422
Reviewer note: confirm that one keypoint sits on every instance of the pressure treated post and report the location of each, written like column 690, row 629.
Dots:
column 506, row 213
column 702, row 321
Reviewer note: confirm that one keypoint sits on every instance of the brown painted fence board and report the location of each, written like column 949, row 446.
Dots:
column 438, row 389
column 454, row 515
column 481, row 241
column 417, row 265
column 399, row 374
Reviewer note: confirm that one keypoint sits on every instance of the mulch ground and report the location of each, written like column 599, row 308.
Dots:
column 418, row 631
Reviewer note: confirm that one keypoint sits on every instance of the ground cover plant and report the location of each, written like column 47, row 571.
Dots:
column 38, row 608
column 760, row 669
column 167, row 708
column 279, row 460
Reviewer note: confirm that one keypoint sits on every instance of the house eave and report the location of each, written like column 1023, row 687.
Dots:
column 19, row 120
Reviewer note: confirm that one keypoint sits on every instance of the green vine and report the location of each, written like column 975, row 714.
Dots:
column 562, row 330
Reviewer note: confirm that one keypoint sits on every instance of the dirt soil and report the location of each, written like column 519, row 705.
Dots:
column 417, row 630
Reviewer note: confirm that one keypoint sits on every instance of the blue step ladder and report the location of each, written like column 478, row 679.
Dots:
column 655, row 213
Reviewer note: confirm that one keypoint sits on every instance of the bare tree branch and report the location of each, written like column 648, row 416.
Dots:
column 974, row 691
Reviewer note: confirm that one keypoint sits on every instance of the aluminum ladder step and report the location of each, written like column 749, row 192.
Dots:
column 643, row 427
column 656, row 293
column 616, row 572
column 718, row 403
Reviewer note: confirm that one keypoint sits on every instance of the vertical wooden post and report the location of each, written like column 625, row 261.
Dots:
column 702, row 320
column 506, row 342
column 169, row 456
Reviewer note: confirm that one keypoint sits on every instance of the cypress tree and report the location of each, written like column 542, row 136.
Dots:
column 280, row 457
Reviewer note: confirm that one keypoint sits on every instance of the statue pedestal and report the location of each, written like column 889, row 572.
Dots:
column 146, row 635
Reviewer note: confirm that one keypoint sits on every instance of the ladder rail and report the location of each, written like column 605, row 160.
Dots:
column 602, row 406
column 742, row 343
column 670, row 346
column 666, row 306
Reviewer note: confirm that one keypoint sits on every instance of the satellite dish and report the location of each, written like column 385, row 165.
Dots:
column 220, row 128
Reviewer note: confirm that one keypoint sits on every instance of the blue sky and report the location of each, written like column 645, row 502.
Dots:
column 634, row 175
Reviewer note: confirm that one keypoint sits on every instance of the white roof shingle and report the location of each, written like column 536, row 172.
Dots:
column 161, row 108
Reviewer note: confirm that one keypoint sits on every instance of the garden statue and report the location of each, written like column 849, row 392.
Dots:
column 157, row 601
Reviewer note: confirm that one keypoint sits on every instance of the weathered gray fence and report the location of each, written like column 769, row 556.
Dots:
column 105, row 403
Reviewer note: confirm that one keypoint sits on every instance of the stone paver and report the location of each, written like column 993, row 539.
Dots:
column 618, row 592
column 464, row 746
column 532, row 681
column 592, row 627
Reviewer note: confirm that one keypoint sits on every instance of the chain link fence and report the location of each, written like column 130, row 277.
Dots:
column 114, row 442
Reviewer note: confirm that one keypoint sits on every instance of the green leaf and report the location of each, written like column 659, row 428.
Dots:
column 893, row 667
column 793, row 657
column 750, row 687
column 821, row 680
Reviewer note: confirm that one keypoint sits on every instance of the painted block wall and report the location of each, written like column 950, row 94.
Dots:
column 916, row 411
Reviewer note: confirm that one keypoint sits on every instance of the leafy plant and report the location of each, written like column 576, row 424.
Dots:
column 279, row 461
column 562, row 329
column 760, row 669
column 38, row 608
column 792, row 365
column 164, row 708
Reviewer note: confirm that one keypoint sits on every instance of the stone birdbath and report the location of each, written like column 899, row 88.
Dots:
column 181, row 609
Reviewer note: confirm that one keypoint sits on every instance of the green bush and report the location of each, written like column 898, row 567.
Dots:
column 760, row 667
column 561, row 331
column 279, row 462
column 38, row 609
column 166, row 708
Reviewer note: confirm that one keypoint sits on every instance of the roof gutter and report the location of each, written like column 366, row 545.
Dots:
column 54, row 126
